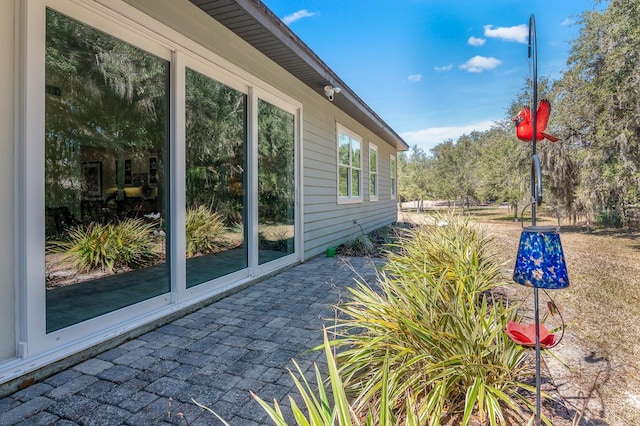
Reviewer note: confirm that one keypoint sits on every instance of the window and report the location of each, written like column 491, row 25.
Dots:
column 392, row 174
column 373, row 172
column 349, row 166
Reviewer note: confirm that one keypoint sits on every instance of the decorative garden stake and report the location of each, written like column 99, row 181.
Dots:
column 540, row 259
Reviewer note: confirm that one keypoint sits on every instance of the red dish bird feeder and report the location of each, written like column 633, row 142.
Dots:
column 525, row 335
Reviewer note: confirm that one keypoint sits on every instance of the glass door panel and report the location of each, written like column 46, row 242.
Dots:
column 106, row 139
column 215, row 154
column 276, row 182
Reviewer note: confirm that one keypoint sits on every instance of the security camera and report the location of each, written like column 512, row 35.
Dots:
column 330, row 91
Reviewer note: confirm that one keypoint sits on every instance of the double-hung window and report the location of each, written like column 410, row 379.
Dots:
column 349, row 166
column 373, row 172
column 392, row 173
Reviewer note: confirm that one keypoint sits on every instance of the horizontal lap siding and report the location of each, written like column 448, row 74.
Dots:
column 327, row 223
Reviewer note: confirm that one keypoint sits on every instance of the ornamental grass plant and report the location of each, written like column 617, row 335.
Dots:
column 129, row 243
column 203, row 229
column 430, row 337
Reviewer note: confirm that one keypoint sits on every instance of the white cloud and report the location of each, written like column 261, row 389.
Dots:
column 567, row 22
column 304, row 13
column 415, row 78
column 480, row 63
column 444, row 68
column 519, row 33
column 429, row 138
column 475, row 41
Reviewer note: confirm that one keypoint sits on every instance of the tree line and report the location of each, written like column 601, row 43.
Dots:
column 593, row 172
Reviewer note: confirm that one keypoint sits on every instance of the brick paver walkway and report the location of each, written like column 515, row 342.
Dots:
column 215, row 355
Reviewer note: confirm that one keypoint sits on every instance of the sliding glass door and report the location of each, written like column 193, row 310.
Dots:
column 155, row 176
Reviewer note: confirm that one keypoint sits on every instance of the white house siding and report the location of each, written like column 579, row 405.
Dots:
column 325, row 221
column 7, row 194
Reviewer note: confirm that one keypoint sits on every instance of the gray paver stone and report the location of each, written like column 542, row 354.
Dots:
column 224, row 381
column 133, row 356
column 143, row 363
column 122, row 392
column 198, row 359
column 73, row 407
column 71, row 387
column 93, row 366
column 166, row 386
column 41, row 419
column 138, row 401
column 118, row 373
column 205, row 395
column 112, row 354
column 166, row 352
column 23, row 411
column 152, row 414
column 164, row 366
column 97, row 389
column 29, row 393
column 62, row 377
column 133, row 344
column 183, row 371
column 105, row 415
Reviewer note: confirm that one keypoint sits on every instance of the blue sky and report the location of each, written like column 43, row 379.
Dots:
column 435, row 69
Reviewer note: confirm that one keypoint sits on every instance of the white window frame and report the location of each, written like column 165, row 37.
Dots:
column 374, row 190
column 35, row 346
column 393, row 176
column 349, row 198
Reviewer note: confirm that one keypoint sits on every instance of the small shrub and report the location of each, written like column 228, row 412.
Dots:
column 203, row 228
column 276, row 238
column 129, row 243
column 431, row 328
column 359, row 246
column 609, row 218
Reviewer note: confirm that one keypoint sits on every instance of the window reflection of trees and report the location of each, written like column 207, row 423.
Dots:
column 215, row 149
column 276, row 178
column 105, row 104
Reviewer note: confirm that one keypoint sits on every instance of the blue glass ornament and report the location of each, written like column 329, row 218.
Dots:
column 540, row 260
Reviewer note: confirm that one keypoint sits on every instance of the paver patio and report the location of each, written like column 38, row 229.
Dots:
column 216, row 355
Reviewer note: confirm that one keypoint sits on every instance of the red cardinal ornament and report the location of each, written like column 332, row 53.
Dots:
column 524, row 127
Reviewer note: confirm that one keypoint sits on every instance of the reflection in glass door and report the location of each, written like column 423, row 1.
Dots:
column 276, row 182
column 215, row 151
column 106, row 145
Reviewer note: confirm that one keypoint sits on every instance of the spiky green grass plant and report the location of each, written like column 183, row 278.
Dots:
column 433, row 330
column 203, row 228
column 359, row 246
column 129, row 243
